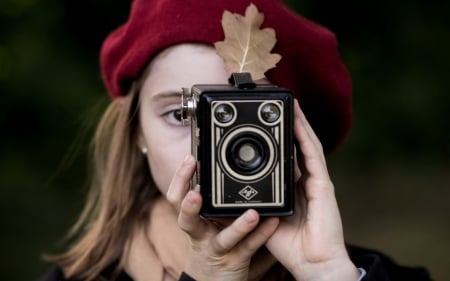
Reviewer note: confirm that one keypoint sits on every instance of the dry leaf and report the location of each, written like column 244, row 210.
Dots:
column 246, row 47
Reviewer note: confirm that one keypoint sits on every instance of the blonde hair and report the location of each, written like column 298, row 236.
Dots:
column 120, row 195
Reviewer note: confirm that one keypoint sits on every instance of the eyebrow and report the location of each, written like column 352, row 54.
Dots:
column 166, row 95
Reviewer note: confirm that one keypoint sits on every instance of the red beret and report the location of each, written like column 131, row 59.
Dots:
column 310, row 64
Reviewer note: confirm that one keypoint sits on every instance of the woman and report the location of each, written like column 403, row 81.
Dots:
column 141, row 222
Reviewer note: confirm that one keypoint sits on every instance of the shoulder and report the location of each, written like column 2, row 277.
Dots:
column 379, row 266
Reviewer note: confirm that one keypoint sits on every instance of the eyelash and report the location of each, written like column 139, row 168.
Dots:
column 173, row 117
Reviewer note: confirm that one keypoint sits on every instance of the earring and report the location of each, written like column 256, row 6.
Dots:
column 144, row 150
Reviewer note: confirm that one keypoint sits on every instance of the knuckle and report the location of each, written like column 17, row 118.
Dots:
column 217, row 246
column 180, row 172
column 248, row 247
column 183, row 224
column 184, row 219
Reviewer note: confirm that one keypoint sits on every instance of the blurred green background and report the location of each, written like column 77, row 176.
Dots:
column 392, row 174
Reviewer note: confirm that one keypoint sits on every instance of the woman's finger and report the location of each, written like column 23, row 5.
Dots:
column 234, row 233
column 189, row 219
column 305, row 134
column 179, row 184
column 312, row 156
column 250, row 244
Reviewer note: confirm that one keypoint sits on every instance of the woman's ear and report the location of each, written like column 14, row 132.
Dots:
column 140, row 141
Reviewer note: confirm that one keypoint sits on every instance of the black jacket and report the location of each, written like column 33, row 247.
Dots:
column 378, row 266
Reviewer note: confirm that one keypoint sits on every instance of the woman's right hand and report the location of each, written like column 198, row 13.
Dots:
column 216, row 253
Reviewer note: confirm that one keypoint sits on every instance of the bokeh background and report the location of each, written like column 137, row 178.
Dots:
column 392, row 174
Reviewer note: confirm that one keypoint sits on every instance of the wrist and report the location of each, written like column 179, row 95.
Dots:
column 343, row 270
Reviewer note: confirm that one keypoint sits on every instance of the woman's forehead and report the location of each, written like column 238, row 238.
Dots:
column 190, row 54
column 182, row 66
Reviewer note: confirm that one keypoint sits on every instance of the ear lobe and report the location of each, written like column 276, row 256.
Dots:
column 140, row 141
column 122, row 102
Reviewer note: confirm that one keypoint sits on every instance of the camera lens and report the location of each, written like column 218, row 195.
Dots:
column 224, row 113
column 247, row 154
column 270, row 112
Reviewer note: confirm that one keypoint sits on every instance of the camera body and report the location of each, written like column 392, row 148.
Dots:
column 243, row 143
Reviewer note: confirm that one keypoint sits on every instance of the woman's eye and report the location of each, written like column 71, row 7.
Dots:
column 173, row 117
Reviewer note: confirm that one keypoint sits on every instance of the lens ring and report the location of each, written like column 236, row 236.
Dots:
column 270, row 151
column 247, row 153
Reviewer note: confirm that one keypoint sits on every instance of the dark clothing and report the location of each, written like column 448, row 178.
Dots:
column 378, row 266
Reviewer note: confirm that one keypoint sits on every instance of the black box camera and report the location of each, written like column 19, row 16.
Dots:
column 243, row 143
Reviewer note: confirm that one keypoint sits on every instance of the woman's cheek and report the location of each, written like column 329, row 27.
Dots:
column 163, row 162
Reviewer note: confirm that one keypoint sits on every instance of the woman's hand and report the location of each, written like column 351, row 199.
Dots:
column 215, row 253
column 310, row 244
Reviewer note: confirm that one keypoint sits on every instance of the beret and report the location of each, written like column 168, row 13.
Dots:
column 310, row 66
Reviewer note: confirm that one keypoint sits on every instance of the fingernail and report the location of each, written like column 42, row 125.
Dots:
column 250, row 216
column 272, row 220
column 188, row 159
column 169, row 193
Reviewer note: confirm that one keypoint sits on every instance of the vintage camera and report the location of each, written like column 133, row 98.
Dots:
column 243, row 143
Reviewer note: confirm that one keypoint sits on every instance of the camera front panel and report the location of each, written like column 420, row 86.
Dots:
column 245, row 152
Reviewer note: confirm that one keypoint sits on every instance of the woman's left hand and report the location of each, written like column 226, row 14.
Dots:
column 310, row 244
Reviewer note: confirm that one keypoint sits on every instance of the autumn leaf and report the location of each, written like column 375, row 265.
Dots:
column 246, row 47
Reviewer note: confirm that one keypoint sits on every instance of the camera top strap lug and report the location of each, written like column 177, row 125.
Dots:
column 242, row 80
